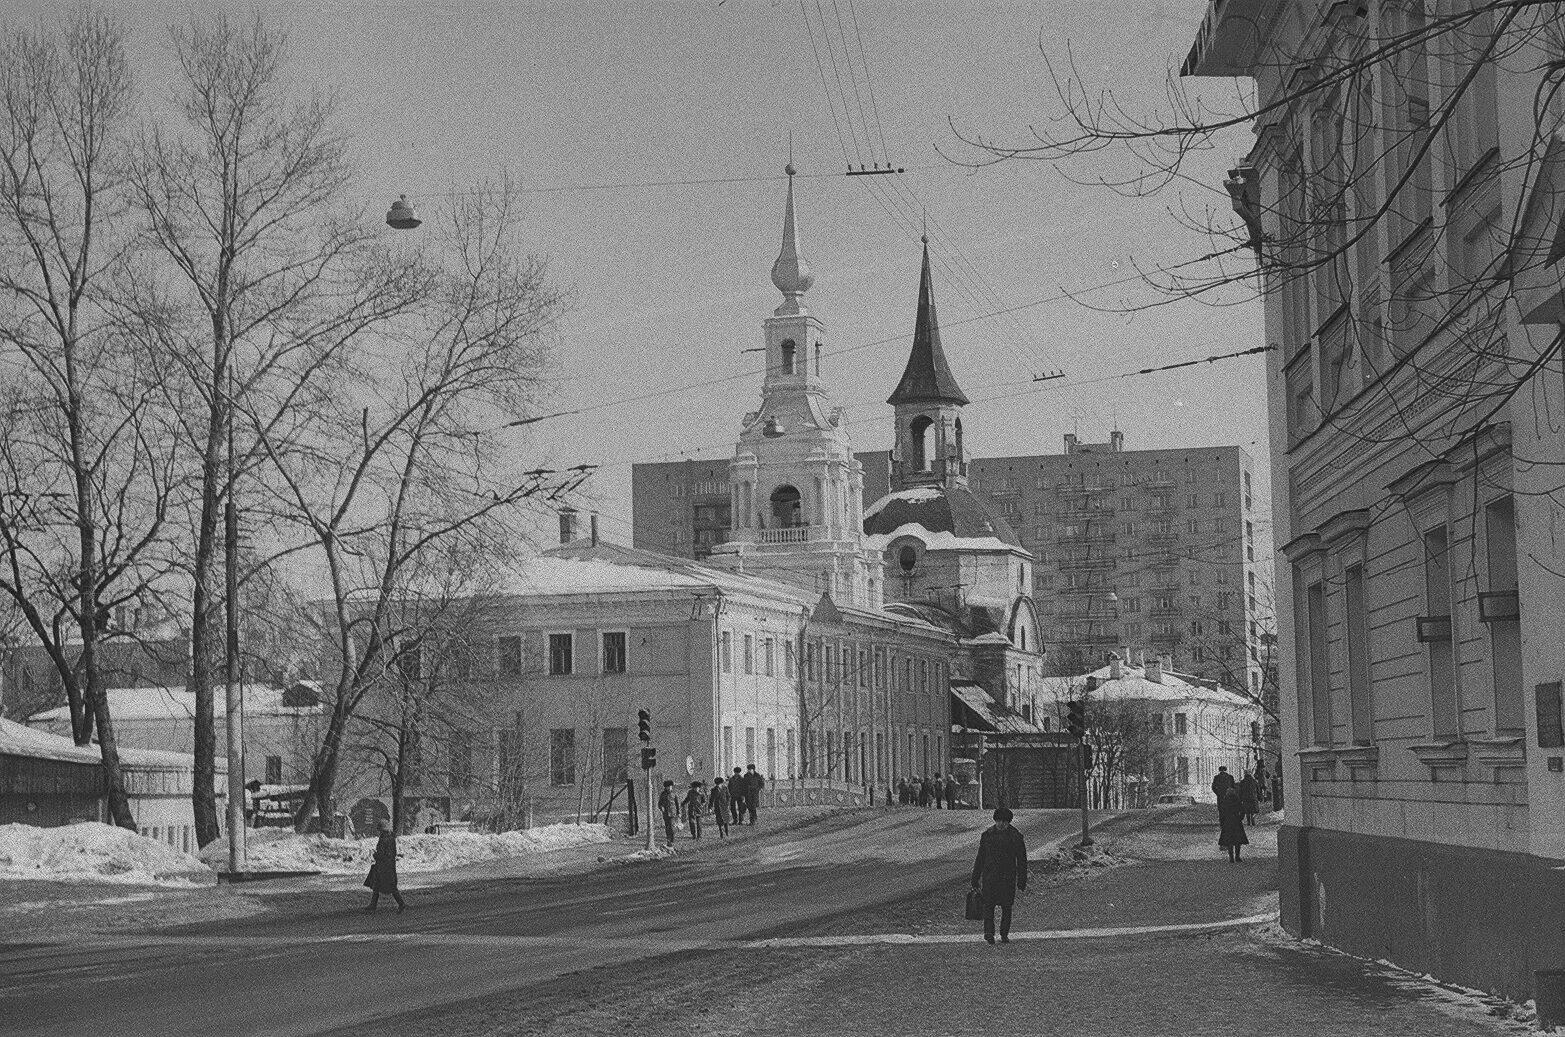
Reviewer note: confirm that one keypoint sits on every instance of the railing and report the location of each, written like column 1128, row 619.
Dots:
column 785, row 535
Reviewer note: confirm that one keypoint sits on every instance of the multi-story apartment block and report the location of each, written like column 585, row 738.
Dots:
column 1406, row 190
column 1153, row 550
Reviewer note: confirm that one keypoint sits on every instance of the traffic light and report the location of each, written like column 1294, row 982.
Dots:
column 644, row 725
column 649, row 758
column 1076, row 717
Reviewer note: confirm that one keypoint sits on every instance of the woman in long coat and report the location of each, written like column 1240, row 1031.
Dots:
column 1230, row 820
column 999, row 871
column 383, row 872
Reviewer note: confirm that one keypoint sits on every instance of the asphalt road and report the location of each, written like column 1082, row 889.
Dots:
column 316, row 963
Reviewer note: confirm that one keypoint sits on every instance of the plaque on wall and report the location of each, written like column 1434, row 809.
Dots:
column 1551, row 730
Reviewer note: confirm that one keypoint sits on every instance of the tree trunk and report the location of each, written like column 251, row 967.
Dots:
column 203, row 634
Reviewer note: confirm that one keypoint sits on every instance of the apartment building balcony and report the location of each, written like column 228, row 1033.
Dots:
column 1088, row 490
column 1092, row 563
column 1102, row 590
column 1088, row 515
column 1160, row 537
column 1165, row 610
column 1163, row 561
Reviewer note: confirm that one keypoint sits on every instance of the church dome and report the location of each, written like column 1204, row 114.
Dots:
column 952, row 516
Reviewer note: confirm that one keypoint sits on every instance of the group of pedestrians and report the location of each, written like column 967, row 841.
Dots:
column 729, row 803
column 1238, row 801
column 927, row 792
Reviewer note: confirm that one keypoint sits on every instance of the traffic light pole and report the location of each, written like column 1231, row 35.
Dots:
column 650, row 826
column 1081, row 761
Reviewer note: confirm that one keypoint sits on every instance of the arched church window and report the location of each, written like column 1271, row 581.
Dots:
column 789, row 348
column 907, row 558
column 817, row 359
column 920, row 436
column 786, row 507
column 958, row 429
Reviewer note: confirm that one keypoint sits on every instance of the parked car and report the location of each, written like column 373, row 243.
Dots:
column 1174, row 800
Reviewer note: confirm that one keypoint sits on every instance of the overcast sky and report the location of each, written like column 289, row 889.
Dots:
column 672, row 282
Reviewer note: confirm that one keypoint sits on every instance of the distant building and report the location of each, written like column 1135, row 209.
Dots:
column 282, row 726
column 1157, row 732
column 1171, row 533
column 46, row 780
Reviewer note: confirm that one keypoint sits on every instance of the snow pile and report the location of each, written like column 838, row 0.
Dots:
column 279, row 849
column 93, row 851
column 658, row 852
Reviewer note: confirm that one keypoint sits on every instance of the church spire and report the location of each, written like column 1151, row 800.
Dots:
column 927, row 377
column 791, row 274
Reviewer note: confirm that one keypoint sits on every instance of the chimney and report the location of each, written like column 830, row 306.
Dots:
column 1114, row 670
column 567, row 525
column 1070, row 442
column 1117, row 441
column 593, row 523
column 1154, row 670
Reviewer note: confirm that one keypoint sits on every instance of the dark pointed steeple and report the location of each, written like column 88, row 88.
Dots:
column 927, row 377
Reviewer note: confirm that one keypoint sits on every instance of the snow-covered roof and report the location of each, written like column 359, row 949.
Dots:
column 987, row 714
column 611, row 568
column 1133, row 683
column 937, row 541
column 993, row 637
column 20, row 740
column 159, row 703
column 918, row 493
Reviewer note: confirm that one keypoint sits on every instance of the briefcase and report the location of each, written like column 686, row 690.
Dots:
column 975, row 906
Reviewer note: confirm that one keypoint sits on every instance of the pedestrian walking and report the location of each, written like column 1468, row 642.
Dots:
column 1230, row 821
column 901, row 792
column 736, row 791
column 1000, row 872
column 926, row 791
column 1222, row 783
column 668, row 805
column 383, row 870
column 1249, row 797
column 753, row 784
column 950, row 791
column 938, row 790
column 720, row 806
column 693, row 806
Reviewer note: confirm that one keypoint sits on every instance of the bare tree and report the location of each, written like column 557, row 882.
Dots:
column 84, row 464
column 1371, row 196
column 268, row 281
column 377, row 491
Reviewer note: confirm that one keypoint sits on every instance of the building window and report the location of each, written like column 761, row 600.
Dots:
column 749, row 653
column 614, row 652
column 1439, row 634
column 1360, row 717
column 460, row 772
column 510, row 661
column 1157, row 723
column 787, row 654
column 791, row 756
column 1180, row 724
column 616, row 755
column 562, row 756
column 831, row 663
column 864, row 668
column 1499, row 608
column 767, row 651
column 749, row 746
column 1319, row 681
column 771, row 753
column 726, row 651
column 1182, row 771
column 561, row 654
column 274, row 770
column 728, row 750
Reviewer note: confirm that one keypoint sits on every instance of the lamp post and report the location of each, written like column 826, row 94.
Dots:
column 1078, row 723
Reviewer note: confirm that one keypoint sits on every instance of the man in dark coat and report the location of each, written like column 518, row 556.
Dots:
column 901, row 792
column 926, row 791
column 383, row 872
column 1249, row 797
column 1222, row 783
column 1000, row 872
column 938, row 790
column 950, row 791
column 693, row 807
column 753, row 784
column 1230, row 820
column 720, row 806
column 736, row 793
column 668, row 806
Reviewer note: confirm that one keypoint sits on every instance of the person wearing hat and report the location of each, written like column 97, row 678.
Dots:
column 720, row 806
column 694, row 805
column 668, row 806
column 1000, row 872
column 383, row 871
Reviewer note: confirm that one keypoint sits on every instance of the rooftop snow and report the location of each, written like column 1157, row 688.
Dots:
column 19, row 740
column 1133, row 684
column 937, row 541
column 158, row 703
column 918, row 493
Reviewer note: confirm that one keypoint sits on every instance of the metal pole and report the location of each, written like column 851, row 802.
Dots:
column 650, row 826
column 235, row 695
column 1081, row 763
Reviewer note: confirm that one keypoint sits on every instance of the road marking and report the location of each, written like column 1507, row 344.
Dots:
column 1046, row 934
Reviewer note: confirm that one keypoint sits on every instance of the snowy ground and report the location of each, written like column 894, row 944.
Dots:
column 279, row 849
column 95, row 852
